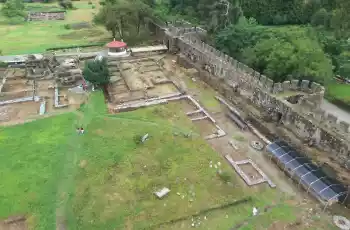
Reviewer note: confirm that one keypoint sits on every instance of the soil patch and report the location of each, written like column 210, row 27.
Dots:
column 250, row 171
column 14, row 223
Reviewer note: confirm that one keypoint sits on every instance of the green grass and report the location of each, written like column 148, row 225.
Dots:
column 105, row 180
column 34, row 37
column 29, row 168
column 339, row 92
column 206, row 94
column 39, row 7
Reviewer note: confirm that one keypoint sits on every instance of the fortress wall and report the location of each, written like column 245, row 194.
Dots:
column 227, row 75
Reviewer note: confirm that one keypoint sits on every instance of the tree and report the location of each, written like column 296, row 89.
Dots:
column 119, row 15
column 96, row 71
column 340, row 21
column 301, row 58
column 321, row 18
column 13, row 9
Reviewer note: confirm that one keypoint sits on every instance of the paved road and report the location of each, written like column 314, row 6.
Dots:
column 336, row 111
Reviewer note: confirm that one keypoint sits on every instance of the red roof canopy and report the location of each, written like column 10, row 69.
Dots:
column 116, row 44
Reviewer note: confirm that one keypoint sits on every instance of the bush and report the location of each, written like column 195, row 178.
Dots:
column 66, row 4
column 15, row 20
column 67, row 27
column 225, row 177
column 13, row 9
column 3, row 64
column 138, row 139
column 90, row 2
column 93, row 7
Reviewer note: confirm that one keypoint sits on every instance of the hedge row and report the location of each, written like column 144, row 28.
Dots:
column 76, row 46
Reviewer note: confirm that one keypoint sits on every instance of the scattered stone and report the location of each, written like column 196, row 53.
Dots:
column 144, row 138
column 83, row 163
column 161, row 193
column 194, row 79
column 255, row 211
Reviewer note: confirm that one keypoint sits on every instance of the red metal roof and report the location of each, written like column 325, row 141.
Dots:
column 116, row 44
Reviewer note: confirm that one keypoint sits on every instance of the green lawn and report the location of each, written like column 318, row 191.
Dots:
column 33, row 37
column 339, row 92
column 104, row 179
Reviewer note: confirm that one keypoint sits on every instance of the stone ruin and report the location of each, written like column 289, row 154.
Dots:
column 45, row 16
column 66, row 72
column 300, row 114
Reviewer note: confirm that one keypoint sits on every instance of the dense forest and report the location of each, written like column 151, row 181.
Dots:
column 282, row 39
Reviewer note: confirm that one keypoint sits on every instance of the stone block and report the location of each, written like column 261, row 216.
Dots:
column 320, row 115
column 250, row 71
column 294, row 84
column 257, row 75
column 262, row 80
column 277, row 87
column 315, row 87
column 305, row 85
column 331, row 120
column 344, row 126
column 269, row 84
column 286, row 85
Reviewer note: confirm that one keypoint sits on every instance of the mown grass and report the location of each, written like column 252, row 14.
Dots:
column 339, row 92
column 104, row 179
column 30, row 156
column 36, row 37
column 206, row 95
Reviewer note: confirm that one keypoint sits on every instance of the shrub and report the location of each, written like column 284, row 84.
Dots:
column 13, row 9
column 3, row 64
column 138, row 139
column 90, row 2
column 225, row 177
column 66, row 4
column 93, row 7
column 67, row 27
column 15, row 20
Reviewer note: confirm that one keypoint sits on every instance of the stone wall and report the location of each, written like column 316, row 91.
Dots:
column 228, row 76
column 45, row 16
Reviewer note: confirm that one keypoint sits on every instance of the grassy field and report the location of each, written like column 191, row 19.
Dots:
column 339, row 92
column 105, row 179
column 33, row 37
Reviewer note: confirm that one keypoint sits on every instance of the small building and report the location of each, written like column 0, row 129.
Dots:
column 117, row 49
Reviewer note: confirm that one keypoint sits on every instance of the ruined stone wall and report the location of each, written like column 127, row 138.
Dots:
column 45, row 16
column 227, row 75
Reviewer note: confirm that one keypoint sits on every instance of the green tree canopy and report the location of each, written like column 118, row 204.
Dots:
column 13, row 9
column 120, row 15
column 276, row 52
column 96, row 72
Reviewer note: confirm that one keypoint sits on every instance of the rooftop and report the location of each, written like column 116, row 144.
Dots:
column 116, row 44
